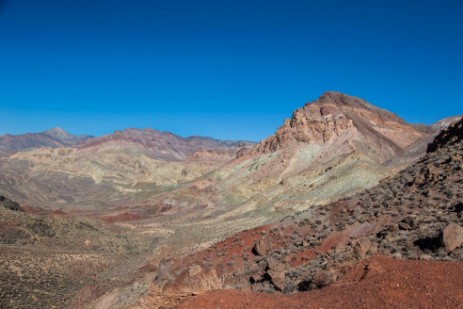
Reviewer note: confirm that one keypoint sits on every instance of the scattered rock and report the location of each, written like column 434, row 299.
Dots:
column 452, row 237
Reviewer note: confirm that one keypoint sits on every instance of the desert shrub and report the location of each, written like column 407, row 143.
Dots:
column 41, row 228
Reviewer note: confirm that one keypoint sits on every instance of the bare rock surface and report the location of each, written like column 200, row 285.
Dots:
column 452, row 236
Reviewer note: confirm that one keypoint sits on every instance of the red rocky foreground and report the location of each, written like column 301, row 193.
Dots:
column 377, row 282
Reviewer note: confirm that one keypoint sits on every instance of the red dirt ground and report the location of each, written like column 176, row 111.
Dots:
column 377, row 282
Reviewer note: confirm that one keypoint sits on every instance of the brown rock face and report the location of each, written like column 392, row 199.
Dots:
column 276, row 271
column 452, row 237
column 338, row 117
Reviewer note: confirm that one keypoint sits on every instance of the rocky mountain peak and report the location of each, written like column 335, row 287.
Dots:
column 63, row 137
column 58, row 132
column 335, row 116
column 335, row 97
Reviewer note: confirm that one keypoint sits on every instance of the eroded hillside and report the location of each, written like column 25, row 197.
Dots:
column 340, row 181
column 416, row 214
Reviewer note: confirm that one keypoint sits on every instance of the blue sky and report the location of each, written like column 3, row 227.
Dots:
column 227, row 69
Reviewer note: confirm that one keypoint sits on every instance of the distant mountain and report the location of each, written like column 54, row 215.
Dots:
column 53, row 138
column 168, row 146
column 120, row 169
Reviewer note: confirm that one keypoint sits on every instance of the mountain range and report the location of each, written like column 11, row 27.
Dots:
column 149, row 216
column 53, row 138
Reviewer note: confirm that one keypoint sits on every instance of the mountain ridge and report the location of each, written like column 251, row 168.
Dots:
column 53, row 138
column 290, row 213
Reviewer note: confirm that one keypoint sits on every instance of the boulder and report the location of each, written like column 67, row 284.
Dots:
column 261, row 248
column 194, row 270
column 323, row 278
column 257, row 270
column 452, row 237
column 404, row 226
column 165, row 274
column 276, row 271
column 361, row 246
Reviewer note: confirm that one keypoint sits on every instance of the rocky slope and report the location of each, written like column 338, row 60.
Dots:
column 335, row 116
column 416, row 214
column 329, row 149
column 53, row 138
column 377, row 282
column 334, row 145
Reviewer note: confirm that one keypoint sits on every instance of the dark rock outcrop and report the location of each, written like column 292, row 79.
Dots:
column 449, row 136
column 9, row 204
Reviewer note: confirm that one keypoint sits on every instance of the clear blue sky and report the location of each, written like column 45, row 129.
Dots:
column 228, row 69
